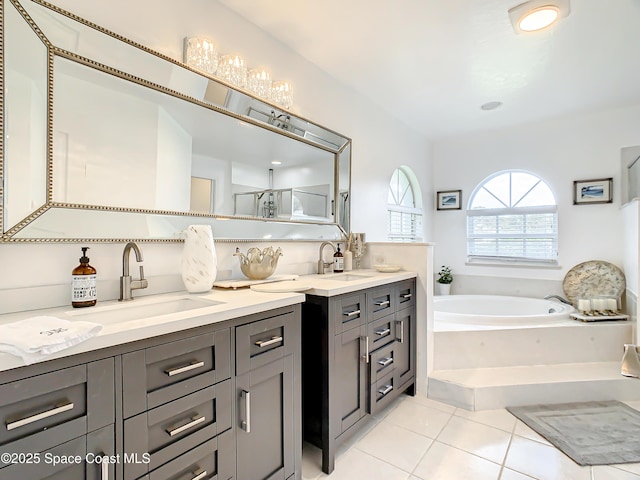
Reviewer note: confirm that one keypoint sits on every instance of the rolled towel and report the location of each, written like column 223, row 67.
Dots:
column 34, row 338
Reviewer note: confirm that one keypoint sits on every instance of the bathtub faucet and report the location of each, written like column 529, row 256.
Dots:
column 558, row 297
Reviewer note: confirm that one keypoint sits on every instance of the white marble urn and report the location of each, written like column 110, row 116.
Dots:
column 199, row 263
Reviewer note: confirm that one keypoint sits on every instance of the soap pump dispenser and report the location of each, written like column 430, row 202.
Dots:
column 338, row 261
column 83, row 283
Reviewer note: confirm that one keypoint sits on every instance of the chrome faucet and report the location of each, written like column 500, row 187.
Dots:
column 127, row 285
column 559, row 298
column 322, row 265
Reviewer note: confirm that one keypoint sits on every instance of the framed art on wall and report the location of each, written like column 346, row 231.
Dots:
column 593, row 191
column 449, row 200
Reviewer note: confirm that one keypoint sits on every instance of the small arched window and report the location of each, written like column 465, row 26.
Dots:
column 405, row 216
column 513, row 216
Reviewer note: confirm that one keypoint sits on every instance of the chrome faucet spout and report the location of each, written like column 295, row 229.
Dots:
column 559, row 298
column 127, row 284
column 322, row 265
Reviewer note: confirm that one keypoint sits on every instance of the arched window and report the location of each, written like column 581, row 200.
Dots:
column 405, row 217
column 512, row 216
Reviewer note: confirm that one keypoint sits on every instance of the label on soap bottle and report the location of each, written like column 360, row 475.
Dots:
column 338, row 264
column 83, row 288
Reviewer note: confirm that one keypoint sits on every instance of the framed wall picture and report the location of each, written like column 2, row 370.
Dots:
column 593, row 191
column 449, row 200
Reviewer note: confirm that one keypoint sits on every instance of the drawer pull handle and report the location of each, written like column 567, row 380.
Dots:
column 177, row 371
column 194, row 421
column 407, row 295
column 365, row 340
column 400, row 328
column 385, row 361
column 386, row 303
column 352, row 313
column 385, row 390
column 246, row 423
column 383, row 331
column 104, row 467
column 266, row 343
column 199, row 475
column 40, row 416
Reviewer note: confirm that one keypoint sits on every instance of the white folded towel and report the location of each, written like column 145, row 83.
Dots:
column 34, row 338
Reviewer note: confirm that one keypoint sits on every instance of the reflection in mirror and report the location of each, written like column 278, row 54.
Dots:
column 25, row 120
column 169, row 141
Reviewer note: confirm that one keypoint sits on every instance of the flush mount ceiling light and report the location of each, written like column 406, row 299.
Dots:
column 536, row 15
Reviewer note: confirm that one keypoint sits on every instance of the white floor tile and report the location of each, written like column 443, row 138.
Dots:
column 311, row 462
column 395, row 445
column 443, row 462
column 508, row 474
column 630, row 467
column 543, row 462
column 611, row 473
column 419, row 418
column 481, row 440
column 428, row 402
column 523, row 430
column 494, row 418
column 356, row 464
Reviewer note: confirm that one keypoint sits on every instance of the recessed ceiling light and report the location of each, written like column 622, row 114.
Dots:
column 536, row 15
column 490, row 105
column 276, row 162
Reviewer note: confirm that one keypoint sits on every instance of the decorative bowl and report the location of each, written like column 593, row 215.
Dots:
column 258, row 264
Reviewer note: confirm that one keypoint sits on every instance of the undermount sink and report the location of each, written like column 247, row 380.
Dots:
column 345, row 277
column 124, row 312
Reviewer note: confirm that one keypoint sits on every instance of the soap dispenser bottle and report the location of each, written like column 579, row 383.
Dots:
column 338, row 261
column 83, row 283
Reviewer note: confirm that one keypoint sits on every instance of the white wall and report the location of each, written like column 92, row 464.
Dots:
column 560, row 151
column 380, row 143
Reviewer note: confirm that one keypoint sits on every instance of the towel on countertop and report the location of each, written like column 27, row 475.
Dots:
column 34, row 338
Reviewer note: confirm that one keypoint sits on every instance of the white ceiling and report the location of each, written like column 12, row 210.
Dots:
column 432, row 63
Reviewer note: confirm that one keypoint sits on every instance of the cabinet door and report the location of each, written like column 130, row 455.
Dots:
column 349, row 387
column 101, row 459
column 405, row 360
column 72, row 468
column 265, row 424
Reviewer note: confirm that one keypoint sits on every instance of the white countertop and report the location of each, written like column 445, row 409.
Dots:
column 146, row 317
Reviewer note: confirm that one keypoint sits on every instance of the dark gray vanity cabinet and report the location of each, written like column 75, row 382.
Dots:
column 217, row 402
column 268, row 398
column 359, row 353
column 63, row 413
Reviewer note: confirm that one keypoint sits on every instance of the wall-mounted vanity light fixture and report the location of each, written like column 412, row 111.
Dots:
column 202, row 54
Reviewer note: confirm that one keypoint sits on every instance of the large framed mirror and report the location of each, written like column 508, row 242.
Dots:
column 104, row 139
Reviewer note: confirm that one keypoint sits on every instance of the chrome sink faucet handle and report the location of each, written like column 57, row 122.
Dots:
column 322, row 265
column 127, row 284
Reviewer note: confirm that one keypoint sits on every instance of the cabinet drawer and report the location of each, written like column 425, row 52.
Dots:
column 264, row 341
column 383, row 361
column 405, row 294
column 382, row 392
column 349, row 312
column 45, row 410
column 381, row 332
column 168, row 431
column 382, row 301
column 158, row 375
column 47, row 470
column 212, row 460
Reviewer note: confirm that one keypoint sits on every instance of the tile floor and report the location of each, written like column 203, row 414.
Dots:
column 417, row 438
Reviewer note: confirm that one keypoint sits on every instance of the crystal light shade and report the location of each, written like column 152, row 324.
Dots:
column 259, row 82
column 282, row 94
column 201, row 54
column 233, row 69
